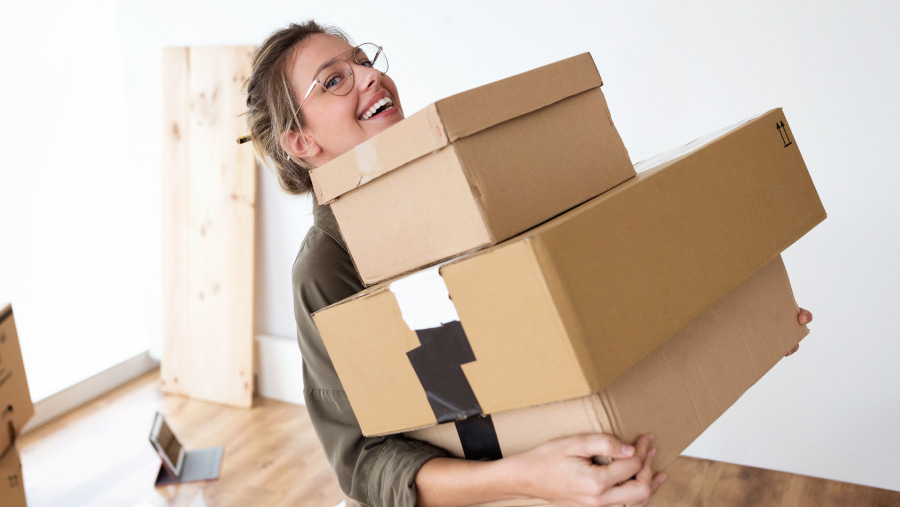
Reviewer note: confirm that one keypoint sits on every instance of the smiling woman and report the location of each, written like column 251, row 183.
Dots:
column 328, row 119
column 313, row 96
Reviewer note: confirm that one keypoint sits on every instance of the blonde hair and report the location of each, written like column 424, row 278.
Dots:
column 270, row 102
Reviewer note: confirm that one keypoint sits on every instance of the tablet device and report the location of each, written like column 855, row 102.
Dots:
column 168, row 447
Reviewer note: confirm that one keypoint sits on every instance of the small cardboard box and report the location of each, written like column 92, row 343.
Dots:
column 15, row 399
column 12, row 489
column 678, row 390
column 475, row 169
column 562, row 311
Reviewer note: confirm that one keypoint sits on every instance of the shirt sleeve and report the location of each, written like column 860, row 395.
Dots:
column 374, row 471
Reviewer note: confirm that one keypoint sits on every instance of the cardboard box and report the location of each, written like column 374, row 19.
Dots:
column 678, row 390
column 562, row 311
column 12, row 489
column 474, row 169
column 15, row 400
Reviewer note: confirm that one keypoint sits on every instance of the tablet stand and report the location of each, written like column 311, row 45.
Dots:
column 199, row 465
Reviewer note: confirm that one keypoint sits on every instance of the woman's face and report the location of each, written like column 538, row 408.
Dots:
column 334, row 124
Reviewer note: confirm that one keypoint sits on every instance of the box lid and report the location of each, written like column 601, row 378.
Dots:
column 452, row 118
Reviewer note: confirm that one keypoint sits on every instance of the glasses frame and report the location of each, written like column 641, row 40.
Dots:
column 352, row 51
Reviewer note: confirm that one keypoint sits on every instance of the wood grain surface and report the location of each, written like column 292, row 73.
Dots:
column 99, row 455
column 209, row 218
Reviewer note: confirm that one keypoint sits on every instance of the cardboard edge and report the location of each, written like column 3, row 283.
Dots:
column 421, row 133
column 366, row 292
column 22, row 414
column 669, row 157
column 580, row 68
column 565, row 309
column 547, row 272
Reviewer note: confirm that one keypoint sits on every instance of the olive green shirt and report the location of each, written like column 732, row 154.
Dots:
column 374, row 471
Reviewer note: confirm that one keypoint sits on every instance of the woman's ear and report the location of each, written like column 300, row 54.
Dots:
column 300, row 144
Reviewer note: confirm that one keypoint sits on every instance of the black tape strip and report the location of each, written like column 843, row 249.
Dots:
column 479, row 438
column 6, row 315
column 438, row 364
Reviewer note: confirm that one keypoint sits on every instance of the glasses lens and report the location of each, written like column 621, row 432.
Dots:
column 336, row 77
column 370, row 55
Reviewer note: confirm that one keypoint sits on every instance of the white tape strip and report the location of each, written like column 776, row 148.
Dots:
column 692, row 146
column 424, row 299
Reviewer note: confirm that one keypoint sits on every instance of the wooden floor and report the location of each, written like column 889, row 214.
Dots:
column 99, row 455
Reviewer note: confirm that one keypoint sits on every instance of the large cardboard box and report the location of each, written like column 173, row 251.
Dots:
column 15, row 399
column 474, row 169
column 677, row 391
column 12, row 489
column 562, row 311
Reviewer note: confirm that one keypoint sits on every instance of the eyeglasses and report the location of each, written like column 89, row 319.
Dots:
column 336, row 76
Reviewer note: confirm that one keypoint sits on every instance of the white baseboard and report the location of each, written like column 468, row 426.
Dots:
column 93, row 387
column 278, row 376
column 278, row 369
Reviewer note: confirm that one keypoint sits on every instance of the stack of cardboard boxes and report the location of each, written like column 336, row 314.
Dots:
column 581, row 293
column 16, row 406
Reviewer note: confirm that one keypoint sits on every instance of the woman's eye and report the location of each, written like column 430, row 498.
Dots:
column 333, row 81
column 365, row 62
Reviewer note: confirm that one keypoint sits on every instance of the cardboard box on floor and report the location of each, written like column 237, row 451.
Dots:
column 562, row 311
column 15, row 399
column 675, row 392
column 12, row 489
column 474, row 169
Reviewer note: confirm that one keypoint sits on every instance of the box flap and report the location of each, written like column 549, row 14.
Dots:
column 452, row 118
column 396, row 396
column 523, row 355
column 472, row 111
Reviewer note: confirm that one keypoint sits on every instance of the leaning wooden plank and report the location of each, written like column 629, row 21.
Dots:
column 213, row 358
column 175, row 220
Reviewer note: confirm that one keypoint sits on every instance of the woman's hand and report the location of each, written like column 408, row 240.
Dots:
column 804, row 317
column 563, row 473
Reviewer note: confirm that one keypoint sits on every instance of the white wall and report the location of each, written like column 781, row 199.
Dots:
column 673, row 71
column 75, row 259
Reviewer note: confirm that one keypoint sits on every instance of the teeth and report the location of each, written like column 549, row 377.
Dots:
column 385, row 101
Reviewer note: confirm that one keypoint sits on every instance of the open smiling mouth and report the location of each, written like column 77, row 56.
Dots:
column 378, row 108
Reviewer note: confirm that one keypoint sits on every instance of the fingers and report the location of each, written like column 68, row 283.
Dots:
column 805, row 316
column 600, row 444
column 657, row 481
column 640, row 490
column 646, row 473
column 795, row 349
column 624, row 470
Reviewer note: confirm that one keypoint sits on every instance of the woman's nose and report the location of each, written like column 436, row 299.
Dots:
column 367, row 77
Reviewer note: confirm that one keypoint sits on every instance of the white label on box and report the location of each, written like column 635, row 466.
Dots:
column 424, row 299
